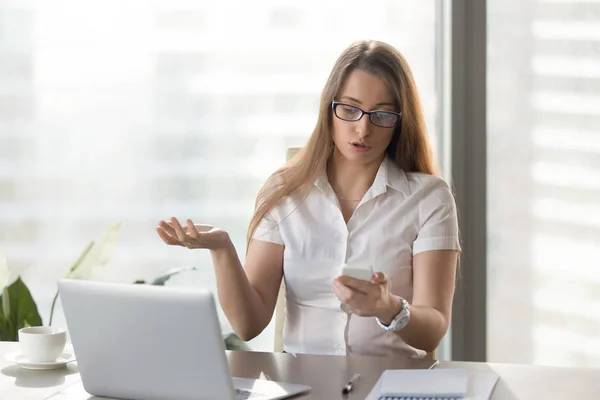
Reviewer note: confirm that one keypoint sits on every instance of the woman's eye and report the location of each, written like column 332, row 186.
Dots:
column 383, row 116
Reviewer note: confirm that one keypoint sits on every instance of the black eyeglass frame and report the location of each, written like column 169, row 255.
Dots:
column 335, row 104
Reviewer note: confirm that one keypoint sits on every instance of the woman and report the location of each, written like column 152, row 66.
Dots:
column 363, row 190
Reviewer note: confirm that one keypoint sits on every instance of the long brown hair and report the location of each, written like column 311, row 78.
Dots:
column 409, row 146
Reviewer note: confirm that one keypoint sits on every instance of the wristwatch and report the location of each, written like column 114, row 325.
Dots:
column 400, row 320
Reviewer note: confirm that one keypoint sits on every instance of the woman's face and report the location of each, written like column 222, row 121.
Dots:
column 362, row 141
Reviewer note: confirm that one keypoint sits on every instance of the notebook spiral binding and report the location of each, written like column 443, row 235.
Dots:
column 417, row 398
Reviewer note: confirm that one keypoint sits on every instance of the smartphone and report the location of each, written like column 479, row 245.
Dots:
column 358, row 271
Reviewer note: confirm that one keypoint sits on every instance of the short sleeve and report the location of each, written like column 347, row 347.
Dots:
column 439, row 221
column 268, row 230
column 268, row 227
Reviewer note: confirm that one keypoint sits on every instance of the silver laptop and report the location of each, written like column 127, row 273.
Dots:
column 146, row 342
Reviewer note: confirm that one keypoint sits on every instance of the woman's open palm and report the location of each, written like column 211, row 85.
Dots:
column 190, row 235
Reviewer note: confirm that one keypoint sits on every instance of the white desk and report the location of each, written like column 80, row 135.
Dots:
column 17, row 383
column 517, row 382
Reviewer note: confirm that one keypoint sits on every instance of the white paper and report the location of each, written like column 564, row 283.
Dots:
column 480, row 386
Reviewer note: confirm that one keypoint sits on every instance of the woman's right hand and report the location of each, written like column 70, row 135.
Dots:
column 192, row 236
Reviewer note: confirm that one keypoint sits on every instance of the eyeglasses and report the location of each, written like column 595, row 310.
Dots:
column 383, row 119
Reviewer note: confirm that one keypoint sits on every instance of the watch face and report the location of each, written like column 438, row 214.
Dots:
column 401, row 321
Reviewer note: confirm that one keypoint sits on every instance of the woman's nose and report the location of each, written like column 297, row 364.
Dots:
column 363, row 126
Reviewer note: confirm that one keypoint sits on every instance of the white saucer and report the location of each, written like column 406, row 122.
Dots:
column 18, row 358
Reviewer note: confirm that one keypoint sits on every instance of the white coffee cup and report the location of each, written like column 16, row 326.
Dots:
column 42, row 344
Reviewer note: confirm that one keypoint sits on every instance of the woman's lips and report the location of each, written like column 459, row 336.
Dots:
column 360, row 147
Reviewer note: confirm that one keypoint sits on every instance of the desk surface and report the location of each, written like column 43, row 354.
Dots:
column 325, row 374
column 524, row 382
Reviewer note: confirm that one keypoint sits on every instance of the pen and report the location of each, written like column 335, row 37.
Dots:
column 350, row 385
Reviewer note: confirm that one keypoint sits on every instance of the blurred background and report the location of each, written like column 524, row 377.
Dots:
column 140, row 110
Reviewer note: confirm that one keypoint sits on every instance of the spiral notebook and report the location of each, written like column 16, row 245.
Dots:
column 436, row 384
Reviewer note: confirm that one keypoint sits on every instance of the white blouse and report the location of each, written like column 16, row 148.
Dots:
column 402, row 214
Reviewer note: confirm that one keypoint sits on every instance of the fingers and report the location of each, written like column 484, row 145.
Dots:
column 379, row 278
column 173, row 233
column 348, row 296
column 168, row 239
column 190, row 235
column 361, row 285
column 179, row 232
column 355, row 284
column 168, row 227
column 342, row 292
column 336, row 292
column 190, row 229
column 358, row 296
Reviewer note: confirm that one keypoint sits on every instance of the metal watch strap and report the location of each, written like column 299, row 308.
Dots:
column 400, row 320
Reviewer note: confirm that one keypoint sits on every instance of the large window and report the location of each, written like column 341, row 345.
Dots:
column 544, row 182
column 139, row 110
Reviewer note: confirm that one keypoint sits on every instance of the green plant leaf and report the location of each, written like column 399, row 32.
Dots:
column 5, row 303
column 98, row 254
column 162, row 279
column 23, row 311
column 233, row 342
column 3, row 328
column 83, row 254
